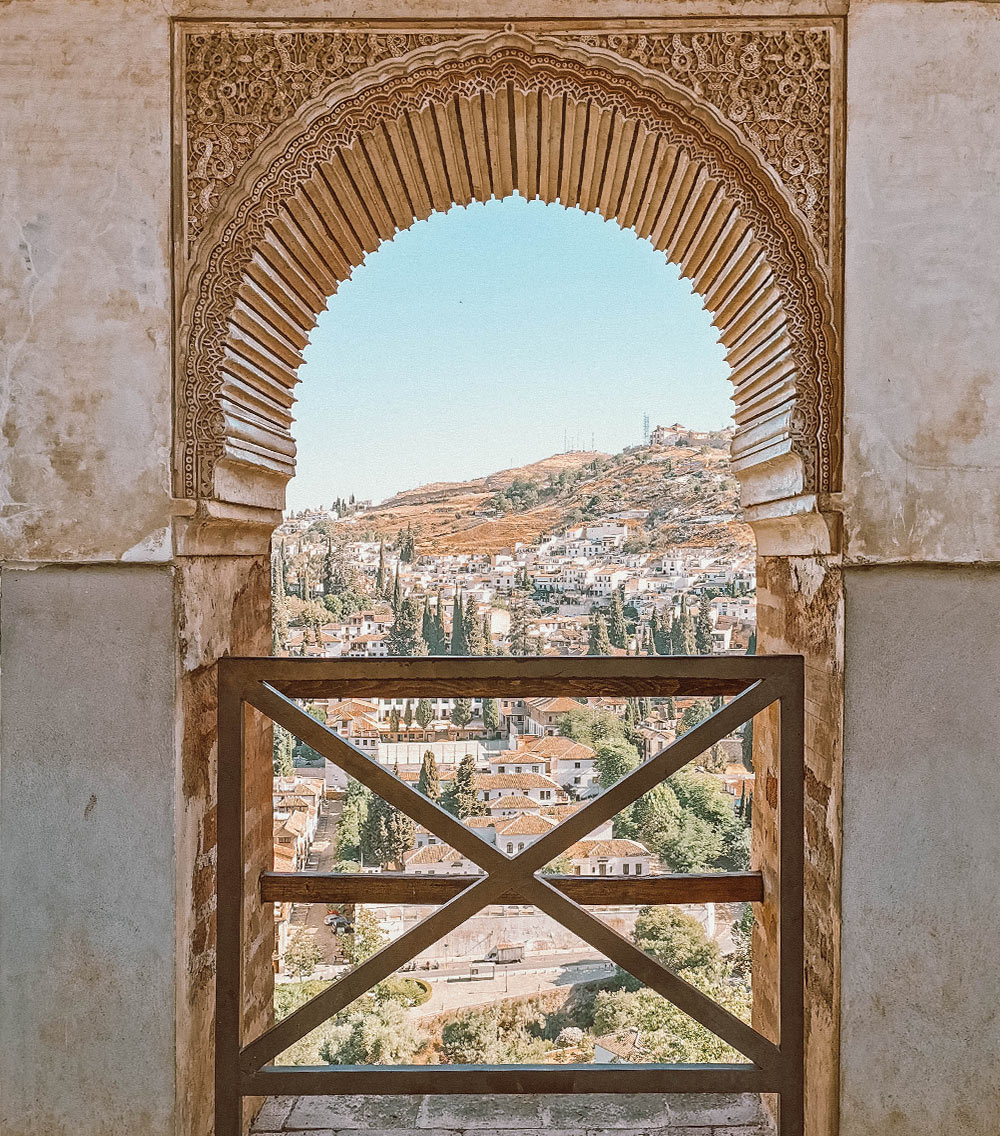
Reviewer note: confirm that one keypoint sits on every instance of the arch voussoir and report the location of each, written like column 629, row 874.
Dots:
column 484, row 118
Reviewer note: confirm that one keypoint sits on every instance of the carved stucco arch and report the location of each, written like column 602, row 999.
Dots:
column 470, row 120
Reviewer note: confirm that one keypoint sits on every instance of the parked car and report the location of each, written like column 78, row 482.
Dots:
column 338, row 924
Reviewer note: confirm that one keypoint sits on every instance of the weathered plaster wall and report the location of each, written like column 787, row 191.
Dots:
column 922, row 286
column 921, row 954
column 922, row 458
column 85, row 320
column 87, row 871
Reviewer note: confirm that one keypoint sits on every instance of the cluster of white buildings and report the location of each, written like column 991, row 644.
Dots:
column 569, row 574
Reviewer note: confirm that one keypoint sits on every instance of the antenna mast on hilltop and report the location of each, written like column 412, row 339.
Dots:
column 645, row 429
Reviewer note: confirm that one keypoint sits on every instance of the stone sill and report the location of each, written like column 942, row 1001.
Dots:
column 582, row 1115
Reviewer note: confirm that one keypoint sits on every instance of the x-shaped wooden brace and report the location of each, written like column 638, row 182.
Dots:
column 507, row 875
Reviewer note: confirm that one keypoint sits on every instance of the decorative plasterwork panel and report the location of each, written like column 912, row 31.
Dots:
column 469, row 120
column 773, row 81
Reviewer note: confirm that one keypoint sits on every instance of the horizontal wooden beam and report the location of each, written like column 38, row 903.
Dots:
column 388, row 887
column 626, row 677
column 491, row 1080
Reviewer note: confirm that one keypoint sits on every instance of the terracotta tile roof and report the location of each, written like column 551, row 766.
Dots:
column 432, row 854
column 514, row 781
column 588, row 848
column 624, row 1044
column 558, row 705
column 524, row 825
column 512, row 801
column 562, row 749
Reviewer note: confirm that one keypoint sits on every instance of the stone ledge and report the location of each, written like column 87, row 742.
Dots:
column 581, row 1115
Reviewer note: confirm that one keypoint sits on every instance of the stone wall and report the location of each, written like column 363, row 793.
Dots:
column 800, row 611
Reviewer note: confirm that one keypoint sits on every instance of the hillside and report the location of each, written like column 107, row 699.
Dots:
column 689, row 493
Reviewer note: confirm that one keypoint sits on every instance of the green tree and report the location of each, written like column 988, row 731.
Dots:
column 425, row 713
column 463, row 798
column 667, row 1034
column 617, row 628
column 677, row 940
column 429, row 629
column 284, row 765
column 397, row 592
column 394, row 721
column 404, row 637
column 746, row 745
column 656, row 639
column 366, row 939
column 458, row 644
column 407, row 713
column 487, row 634
column 599, row 643
column 381, row 580
column 302, row 955
column 427, row 782
column 692, row 845
column 613, row 760
column 472, row 628
column 387, row 834
column 703, row 627
column 461, row 713
column 591, row 727
column 518, row 636
column 379, row 1034
column 329, row 568
column 693, row 715
column 491, row 714
column 347, row 842
column 441, row 643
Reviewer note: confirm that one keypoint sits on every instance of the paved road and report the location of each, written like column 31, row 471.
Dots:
column 510, row 982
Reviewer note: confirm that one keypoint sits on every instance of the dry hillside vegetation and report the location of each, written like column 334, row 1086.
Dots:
column 689, row 493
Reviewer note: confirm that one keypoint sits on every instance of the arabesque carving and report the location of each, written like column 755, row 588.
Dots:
column 773, row 82
column 454, row 122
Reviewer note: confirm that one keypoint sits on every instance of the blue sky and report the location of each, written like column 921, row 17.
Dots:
column 483, row 337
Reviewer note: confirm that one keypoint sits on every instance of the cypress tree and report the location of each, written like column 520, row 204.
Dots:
column 428, row 628
column 440, row 638
column 472, row 628
column 518, row 635
column 599, row 644
column 746, row 751
column 404, row 637
column 425, row 713
column 458, row 644
column 703, row 628
column 427, row 782
column 463, row 799
column 617, row 629
column 487, row 636
column 461, row 713
column 671, row 709
column 407, row 714
column 278, row 572
column 329, row 570
column 491, row 714
column 394, row 720
column 397, row 592
column 380, row 579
